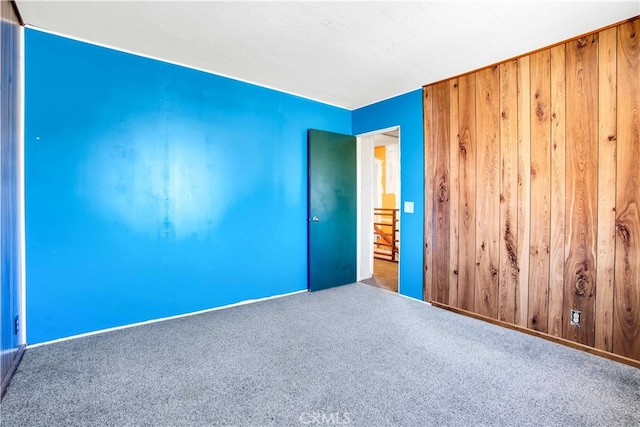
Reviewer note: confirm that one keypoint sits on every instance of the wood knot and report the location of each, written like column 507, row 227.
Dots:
column 494, row 271
column 455, row 85
column 624, row 233
column 442, row 193
column 482, row 246
column 503, row 115
column 582, row 42
column 510, row 245
column 581, row 284
column 537, row 94
column 539, row 112
column 612, row 137
column 455, row 272
column 463, row 150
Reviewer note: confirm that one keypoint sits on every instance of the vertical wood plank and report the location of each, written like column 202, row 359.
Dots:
column 607, row 48
column 540, row 189
column 524, row 189
column 467, row 212
column 626, row 330
column 454, row 186
column 441, row 111
column 549, row 146
column 508, row 280
column 488, row 191
column 428, row 193
column 557, row 227
column 582, row 186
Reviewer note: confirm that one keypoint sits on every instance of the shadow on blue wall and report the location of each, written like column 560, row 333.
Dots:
column 154, row 190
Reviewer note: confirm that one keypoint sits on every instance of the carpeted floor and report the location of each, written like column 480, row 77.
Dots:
column 353, row 355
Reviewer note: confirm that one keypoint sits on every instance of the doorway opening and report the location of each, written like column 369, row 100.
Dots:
column 378, row 251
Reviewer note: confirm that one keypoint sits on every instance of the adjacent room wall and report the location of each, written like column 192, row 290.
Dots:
column 154, row 190
column 532, row 190
column 11, row 199
column 404, row 111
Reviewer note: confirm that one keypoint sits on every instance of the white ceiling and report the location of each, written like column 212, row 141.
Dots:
column 348, row 54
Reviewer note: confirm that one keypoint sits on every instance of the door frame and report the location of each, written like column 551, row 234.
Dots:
column 364, row 208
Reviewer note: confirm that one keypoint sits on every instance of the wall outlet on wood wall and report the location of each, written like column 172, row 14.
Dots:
column 575, row 318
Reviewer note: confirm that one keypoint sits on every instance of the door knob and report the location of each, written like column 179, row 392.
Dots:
column 315, row 219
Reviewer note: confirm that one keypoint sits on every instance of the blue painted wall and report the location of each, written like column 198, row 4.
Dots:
column 10, row 231
column 404, row 111
column 154, row 190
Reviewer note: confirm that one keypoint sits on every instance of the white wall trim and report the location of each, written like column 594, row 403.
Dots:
column 364, row 206
column 162, row 319
column 364, row 217
column 415, row 299
column 379, row 131
column 179, row 64
column 22, row 311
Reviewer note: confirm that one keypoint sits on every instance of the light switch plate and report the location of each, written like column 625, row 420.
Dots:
column 408, row 207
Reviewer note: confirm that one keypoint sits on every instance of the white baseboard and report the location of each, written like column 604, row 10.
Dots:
column 162, row 319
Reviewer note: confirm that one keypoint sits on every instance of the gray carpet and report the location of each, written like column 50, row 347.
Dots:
column 353, row 355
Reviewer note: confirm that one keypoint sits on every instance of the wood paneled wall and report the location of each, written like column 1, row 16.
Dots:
column 532, row 190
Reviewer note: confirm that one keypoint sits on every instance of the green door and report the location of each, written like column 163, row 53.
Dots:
column 332, row 209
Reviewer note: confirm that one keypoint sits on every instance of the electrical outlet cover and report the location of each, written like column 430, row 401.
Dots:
column 575, row 318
